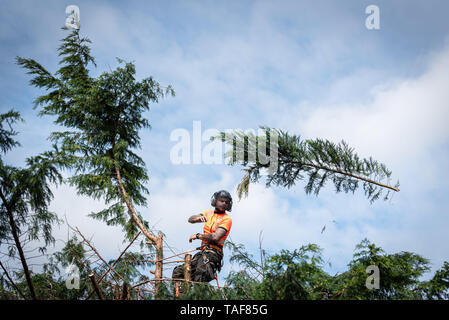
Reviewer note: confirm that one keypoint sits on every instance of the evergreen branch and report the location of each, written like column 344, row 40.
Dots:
column 286, row 158
column 43, row 78
column 321, row 167
column 6, row 140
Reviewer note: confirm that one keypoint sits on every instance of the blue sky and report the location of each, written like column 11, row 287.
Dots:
column 309, row 67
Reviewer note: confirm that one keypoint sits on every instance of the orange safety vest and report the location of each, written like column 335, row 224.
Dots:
column 215, row 220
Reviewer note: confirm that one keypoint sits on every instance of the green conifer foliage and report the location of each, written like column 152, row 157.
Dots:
column 300, row 274
column 103, row 117
column 25, row 195
column 314, row 161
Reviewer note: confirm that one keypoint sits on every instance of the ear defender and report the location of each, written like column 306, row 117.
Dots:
column 222, row 194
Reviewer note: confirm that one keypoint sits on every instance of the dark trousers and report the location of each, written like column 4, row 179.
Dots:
column 204, row 265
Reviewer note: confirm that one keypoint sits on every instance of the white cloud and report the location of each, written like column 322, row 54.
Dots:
column 403, row 120
column 403, row 123
column 74, row 208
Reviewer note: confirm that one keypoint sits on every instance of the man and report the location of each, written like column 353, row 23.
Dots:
column 216, row 229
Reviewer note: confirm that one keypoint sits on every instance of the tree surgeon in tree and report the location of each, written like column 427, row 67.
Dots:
column 216, row 229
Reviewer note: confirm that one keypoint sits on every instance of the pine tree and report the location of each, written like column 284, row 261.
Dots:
column 299, row 274
column 399, row 274
column 316, row 161
column 437, row 288
column 103, row 116
column 25, row 196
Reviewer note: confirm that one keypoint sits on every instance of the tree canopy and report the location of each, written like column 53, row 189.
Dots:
column 103, row 116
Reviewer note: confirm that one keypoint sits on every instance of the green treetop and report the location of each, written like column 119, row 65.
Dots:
column 103, row 116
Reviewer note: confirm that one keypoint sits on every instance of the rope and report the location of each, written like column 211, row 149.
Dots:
column 191, row 250
column 216, row 278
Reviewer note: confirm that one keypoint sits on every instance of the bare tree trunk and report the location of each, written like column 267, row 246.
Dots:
column 125, row 293
column 187, row 271
column 117, row 292
column 97, row 289
column 134, row 216
column 157, row 241
column 19, row 246
column 188, row 267
column 159, row 258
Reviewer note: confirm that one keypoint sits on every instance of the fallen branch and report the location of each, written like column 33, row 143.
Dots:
column 115, row 262
column 98, row 254
column 153, row 261
column 172, row 280
column 179, row 254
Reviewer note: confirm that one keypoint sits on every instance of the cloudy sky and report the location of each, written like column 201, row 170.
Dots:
column 309, row 67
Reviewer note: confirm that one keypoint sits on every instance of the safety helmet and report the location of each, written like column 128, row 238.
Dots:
column 222, row 194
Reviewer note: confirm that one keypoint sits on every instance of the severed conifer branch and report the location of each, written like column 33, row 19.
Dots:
column 284, row 159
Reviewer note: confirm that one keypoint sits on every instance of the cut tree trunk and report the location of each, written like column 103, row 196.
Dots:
column 157, row 241
column 159, row 258
column 187, row 271
column 95, row 285
column 125, row 292
column 188, row 267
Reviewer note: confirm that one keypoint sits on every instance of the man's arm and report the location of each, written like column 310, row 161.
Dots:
column 212, row 237
column 215, row 237
column 197, row 218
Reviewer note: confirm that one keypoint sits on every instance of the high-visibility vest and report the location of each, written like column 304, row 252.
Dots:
column 215, row 220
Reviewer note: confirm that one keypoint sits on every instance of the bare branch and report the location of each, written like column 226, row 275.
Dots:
column 115, row 262
column 11, row 281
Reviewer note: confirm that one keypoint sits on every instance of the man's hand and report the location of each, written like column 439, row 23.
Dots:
column 214, row 237
column 193, row 237
column 197, row 218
